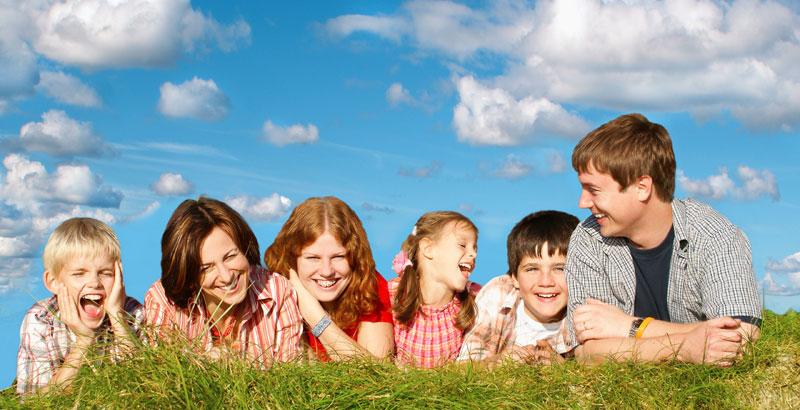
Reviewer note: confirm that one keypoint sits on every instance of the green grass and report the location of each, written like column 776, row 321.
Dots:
column 164, row 378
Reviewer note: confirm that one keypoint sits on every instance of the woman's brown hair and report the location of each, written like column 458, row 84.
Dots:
column 190, row 224
column 309, row 221
column 408, row 299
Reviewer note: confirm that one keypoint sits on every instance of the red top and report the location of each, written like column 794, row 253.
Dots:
column 381, row 313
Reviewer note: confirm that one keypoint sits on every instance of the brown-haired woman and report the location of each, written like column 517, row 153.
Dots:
column 323, row 249
column 214, row 292
column 434, row 303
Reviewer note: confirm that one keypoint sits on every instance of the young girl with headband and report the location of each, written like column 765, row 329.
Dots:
column 433, row 302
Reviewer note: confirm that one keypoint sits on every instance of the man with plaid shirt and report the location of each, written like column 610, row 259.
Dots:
column 651, row 277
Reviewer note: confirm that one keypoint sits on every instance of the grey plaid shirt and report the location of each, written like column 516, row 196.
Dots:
column 711, row 270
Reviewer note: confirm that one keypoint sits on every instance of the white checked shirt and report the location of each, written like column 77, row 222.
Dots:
column 711, row 269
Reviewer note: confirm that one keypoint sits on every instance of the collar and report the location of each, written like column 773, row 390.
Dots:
column 679, row 226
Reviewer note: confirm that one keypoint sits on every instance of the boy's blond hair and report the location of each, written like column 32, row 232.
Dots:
column 79, row 237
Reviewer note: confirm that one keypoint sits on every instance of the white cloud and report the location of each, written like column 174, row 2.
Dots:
column 96, row 34
column 60, row 136
column 27, row 183
column 771, row 287
column 295, row 134
column 513, row 167
column 263, row 209
column 397, row 94
column 427, row 171
column 143, row 213
column 196, row 98
column 790, row 263
column 754, row 184
column 492, row 116
column 32, row 203
column 169, row 184
column 703, row 56
column 389, row 27
column 68, row 89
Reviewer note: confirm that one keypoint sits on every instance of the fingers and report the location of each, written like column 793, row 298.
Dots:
column 592, row 301
column 724, row 322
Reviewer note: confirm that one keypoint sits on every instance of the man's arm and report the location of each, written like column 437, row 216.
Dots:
column 717, row 341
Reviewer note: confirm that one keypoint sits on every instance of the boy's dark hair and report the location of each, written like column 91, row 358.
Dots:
column 529, row 235
column 627, row 148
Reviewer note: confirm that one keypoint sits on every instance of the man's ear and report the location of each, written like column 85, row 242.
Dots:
column 644, row 188
column 50, row 281
column 515, row 281
column 426, row 248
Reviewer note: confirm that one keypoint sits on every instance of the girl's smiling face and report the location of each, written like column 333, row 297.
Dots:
column 453, row 255
column 323, row 268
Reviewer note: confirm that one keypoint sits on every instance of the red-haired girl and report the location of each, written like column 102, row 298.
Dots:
column 323, row 249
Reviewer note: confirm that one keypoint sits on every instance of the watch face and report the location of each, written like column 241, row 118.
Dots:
column 635, row 326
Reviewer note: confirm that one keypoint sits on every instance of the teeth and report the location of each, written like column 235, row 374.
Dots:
column 465, row 266
column 93, row 297
column 547, row 295
column 326, row 283
column 598, row 216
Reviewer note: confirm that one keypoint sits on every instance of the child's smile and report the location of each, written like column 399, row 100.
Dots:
column 89, row 280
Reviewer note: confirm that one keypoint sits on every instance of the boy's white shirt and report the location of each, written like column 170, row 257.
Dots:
column 529, row 331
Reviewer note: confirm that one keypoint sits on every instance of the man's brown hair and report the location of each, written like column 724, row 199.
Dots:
column 627, row 148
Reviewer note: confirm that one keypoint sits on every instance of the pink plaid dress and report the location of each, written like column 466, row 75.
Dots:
column 432, row 338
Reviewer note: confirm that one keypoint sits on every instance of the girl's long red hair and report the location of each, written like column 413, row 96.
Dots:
column 309, row 221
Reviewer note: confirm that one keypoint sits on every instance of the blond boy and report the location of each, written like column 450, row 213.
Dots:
column 84, row 273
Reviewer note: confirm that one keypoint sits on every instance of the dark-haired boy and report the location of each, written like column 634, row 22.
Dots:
column 651, row 277
column 521, row 314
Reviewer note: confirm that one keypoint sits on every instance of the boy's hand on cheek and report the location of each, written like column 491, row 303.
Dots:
column 68, row 313
column 597, row 320
column 116, row 300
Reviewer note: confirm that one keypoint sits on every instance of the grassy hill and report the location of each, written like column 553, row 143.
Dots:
column 767, row 377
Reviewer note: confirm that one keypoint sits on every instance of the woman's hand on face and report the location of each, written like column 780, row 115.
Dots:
column 298, row 285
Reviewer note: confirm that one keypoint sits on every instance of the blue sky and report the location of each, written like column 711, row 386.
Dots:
column 122, row 109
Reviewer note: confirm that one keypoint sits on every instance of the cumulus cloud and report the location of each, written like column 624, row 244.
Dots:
column 265, row 209
column 169, row 184
column 28, row 182
column 397, row 94
column 33, row 202
column 295, row 134
column 96, row 34
column 787, row 270
column 754, row 184
column 377, row 208
column 712, row 58
column 492, row 116
column 196, row 98
column 427, row 171
column 58, row 135
column 67, row 89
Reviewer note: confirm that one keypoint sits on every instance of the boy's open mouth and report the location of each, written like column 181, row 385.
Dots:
column 90, row 304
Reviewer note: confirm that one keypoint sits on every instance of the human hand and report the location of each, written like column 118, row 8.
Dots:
column 69, row 315
column 598, row 320
column 544, row 354
column 115, row 304
column 716, row 341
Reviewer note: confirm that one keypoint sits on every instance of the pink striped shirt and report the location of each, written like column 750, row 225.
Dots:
column 432, row 338
column 270, row 328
